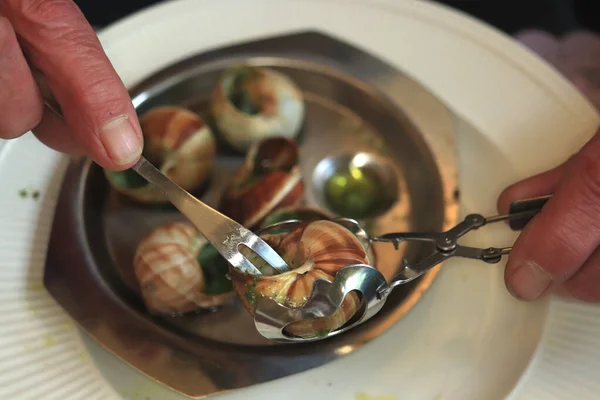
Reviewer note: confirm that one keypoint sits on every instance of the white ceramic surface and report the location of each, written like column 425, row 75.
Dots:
column 467, row 339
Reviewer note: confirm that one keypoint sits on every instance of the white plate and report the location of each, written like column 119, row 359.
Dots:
column 467, row 339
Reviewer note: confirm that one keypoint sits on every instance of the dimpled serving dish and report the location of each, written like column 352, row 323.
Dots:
column 354, row 103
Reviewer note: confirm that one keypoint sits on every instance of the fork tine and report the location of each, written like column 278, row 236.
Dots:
column 238, row 261
column 221, row 231
column 264, row 251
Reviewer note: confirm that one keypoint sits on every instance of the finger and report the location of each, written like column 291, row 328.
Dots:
column 55, row 133
column 20, row 101
column 554, row 245
column 95, row 104
column 585, row 284
column 535, row 186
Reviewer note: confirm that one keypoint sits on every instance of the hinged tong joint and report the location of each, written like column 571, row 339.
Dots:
column 446, row 245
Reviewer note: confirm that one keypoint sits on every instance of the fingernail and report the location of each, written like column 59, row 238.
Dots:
column 120, row 140
column 529, row 281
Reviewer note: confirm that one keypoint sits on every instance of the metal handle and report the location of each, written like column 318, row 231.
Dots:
column 196, row 211
column 526, row 206
column 47, row 96
column 520, row 213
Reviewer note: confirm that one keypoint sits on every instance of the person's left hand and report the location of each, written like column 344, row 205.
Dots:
column 559, row 249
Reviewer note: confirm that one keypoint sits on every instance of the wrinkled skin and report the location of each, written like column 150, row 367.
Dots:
column 100, row 120
column 558, row 251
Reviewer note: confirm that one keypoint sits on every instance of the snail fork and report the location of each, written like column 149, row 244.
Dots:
column 222, row 232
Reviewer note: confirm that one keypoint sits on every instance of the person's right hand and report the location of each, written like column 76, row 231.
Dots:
column 100, row 119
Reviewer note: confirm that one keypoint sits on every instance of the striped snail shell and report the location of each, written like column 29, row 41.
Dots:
column 172, row 264
column 314, row 250
column 179, row 143
column 270, row 178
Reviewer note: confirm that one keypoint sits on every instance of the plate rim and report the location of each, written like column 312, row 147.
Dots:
column 586, row 116
column 510, row 51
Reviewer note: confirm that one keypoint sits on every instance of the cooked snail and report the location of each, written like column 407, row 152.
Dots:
column 252, row 103
column 180, row 144
column 270, row 178
column 179, row 271
column 314, row 250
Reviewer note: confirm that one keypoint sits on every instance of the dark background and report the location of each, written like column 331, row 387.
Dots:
column 510, row 16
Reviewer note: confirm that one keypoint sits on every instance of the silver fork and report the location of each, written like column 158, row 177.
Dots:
column 222, row 232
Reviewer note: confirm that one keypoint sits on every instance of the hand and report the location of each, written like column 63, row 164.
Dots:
column 558, row 251
column 100, row 120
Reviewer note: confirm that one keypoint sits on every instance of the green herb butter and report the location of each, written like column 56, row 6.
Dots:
column 354, row 193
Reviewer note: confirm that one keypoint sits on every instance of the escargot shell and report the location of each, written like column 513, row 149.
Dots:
column 294, row 213
column 305, row 214
column 314, row 250
column 270, row 178
column 252, row 103
column 171, row 278
column 180, row 144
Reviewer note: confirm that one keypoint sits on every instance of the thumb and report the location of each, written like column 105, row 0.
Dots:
column 94, row 101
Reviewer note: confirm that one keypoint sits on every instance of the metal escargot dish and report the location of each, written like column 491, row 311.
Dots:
column 180, row 144
column 312, row 145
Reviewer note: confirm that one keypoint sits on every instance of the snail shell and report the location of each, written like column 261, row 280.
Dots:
column 170, row 277
column 315, row 250
column 180, row 144
column 297, row 212
column 253, row 103
column 269, row 179
column 305, row 214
